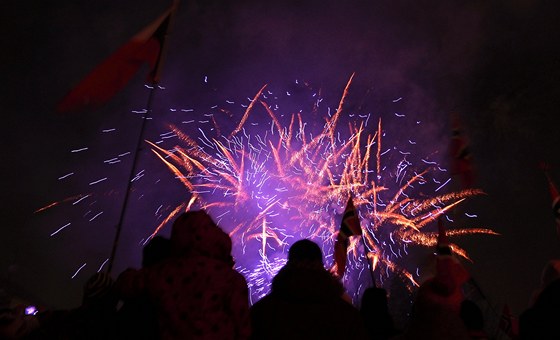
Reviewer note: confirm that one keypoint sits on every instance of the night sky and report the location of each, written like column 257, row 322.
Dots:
column 495, row 63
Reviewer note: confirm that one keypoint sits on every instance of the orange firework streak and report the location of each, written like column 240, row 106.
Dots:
column 167, row 219
column 54, row 204
column 246, row 115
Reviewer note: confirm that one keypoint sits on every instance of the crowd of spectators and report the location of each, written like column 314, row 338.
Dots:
column 188, row 288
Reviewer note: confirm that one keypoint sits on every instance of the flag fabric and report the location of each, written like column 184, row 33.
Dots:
column 460, row 154
column 109, row 77
column 349, row 226
column 508, row 323
column 555, row 196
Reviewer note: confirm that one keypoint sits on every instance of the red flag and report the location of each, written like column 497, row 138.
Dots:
column 350, row 225
column 109, row 77
column 461, row 159
column 555, row 196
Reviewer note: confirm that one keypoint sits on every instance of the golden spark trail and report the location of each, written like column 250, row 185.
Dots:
column 246, row 114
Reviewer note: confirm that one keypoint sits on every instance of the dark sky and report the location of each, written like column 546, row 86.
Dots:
column 495, row 63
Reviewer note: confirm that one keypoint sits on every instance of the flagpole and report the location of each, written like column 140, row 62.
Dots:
column 154, row 76
column 361, row 234
column 131, row 176
column 366, row 249
column 370, row 267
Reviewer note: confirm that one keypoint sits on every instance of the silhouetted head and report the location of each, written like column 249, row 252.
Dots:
column 184, row 228
column 374, row 301
column 305, row 251
column 155, row 251
column 195, row 233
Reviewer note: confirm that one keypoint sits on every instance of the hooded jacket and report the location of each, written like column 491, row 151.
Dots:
column 197, row 293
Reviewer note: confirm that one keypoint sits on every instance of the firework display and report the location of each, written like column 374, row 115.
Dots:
column 274, row 168
column 271, row 183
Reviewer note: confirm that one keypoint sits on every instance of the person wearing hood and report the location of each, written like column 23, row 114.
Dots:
column 305, row 302
column 437, row 304
column 196, row 292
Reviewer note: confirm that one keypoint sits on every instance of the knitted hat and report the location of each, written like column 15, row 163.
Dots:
column 183, row 228
column 194, row 232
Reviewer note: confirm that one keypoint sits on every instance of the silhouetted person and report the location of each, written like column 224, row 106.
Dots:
column 137, row 318
column 155, row 251
column 437, row 304
column 94, row 319
column 473, row 318
column 541, row 320
column 197, row 293
column 305, row 302
column 375, row 311
column 14, row 324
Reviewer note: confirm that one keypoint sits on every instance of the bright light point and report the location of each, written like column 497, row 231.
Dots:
column 102, row 265
column 98, row 181
column 429, row 162
column 79, row 150
column 77, row 271
column 65, row 176
column 80, row 199
column 94, row 217
column 31, row 310
column 60, row 229
column 112, row 161
column 441, row 186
